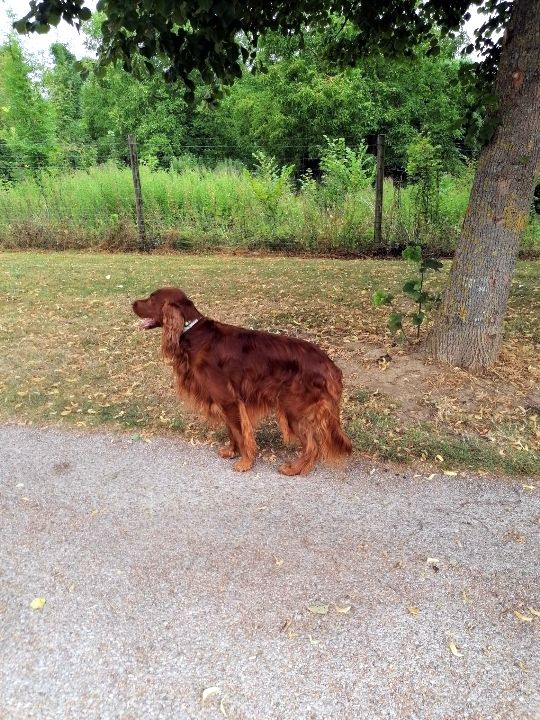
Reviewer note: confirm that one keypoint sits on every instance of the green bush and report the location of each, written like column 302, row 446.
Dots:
column 191, row 207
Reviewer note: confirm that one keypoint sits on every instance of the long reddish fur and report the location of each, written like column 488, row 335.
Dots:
column 236, row 376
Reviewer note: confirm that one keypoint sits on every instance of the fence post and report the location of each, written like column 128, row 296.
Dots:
column 134, row 161
column 377, row 235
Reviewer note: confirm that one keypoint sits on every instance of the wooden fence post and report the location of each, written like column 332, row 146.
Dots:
column 134, row 160
column 377, row 235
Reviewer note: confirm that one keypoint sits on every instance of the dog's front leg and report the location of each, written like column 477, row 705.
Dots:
column 241, row 432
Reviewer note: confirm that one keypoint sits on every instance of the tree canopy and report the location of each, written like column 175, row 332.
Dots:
column 285, row 112
column 215, row 37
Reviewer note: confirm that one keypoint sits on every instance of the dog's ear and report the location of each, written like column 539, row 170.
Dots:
column 173, row 326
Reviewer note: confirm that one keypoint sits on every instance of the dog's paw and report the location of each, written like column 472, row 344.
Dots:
column 288, row 469
column 242, row 465
column 227, row 452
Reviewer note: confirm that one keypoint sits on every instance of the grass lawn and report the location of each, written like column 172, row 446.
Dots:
column 71, row 353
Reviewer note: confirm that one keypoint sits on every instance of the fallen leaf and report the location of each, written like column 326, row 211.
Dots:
column 222, row 706
column 453, row 649
column 342, row 608
column 522, row 617
column 413, row 610
column 208, row 692
column 529, row 487
column 71, row 588
column 313, row 641
column 533, row 611
column 465, row 596
column 278, row 561
column 521, row 665
column 318, row 609
column 449, row 472
column 439, row 458
column 432, row 561
column 38, row 603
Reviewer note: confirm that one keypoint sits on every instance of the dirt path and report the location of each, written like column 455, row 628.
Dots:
column 165, row 573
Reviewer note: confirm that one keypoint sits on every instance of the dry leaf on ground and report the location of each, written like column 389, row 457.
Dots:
column 208, row 692
column 453, row 649
column 318, row 609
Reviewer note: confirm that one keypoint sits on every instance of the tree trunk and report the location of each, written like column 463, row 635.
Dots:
column 468, row 330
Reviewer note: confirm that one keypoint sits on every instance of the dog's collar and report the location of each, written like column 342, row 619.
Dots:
column 189, row 325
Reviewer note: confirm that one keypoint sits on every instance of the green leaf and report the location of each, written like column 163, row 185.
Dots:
column 21, row 27
column 417, row 318
column 394, row 322
column 380, row 297
column 411, row 286
column 412, row 253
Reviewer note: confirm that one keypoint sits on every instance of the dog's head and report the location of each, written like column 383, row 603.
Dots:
column 169, row 308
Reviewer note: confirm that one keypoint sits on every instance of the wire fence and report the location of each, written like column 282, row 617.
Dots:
column 191, row 203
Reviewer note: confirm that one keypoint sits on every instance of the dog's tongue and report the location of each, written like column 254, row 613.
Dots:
column 148, row 324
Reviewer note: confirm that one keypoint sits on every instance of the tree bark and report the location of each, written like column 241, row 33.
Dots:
column 468, row 330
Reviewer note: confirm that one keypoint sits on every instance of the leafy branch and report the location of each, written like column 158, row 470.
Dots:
column 414, row 290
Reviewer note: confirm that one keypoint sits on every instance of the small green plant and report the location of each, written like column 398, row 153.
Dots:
column 344, row 170
column 269, row 182
column 424, row 168
column 413, row 289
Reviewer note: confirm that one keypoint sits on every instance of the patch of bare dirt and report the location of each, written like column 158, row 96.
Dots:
column 402, row 377
column 421, row 390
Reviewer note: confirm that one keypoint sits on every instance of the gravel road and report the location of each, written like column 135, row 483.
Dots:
column 165, row 574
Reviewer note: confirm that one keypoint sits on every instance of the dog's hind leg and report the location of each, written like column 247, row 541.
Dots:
column 321, row 436
column 231, row 450
column 285, row 427
column 308, row 453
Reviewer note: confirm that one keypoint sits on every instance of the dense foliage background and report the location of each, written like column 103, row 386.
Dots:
column 284, row 161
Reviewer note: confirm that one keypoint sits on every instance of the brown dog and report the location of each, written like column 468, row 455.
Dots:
column 237, row 376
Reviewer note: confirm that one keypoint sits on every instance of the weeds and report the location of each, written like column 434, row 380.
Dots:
column 193, row 208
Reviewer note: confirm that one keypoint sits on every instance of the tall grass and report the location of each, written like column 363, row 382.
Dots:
column 227, row 207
